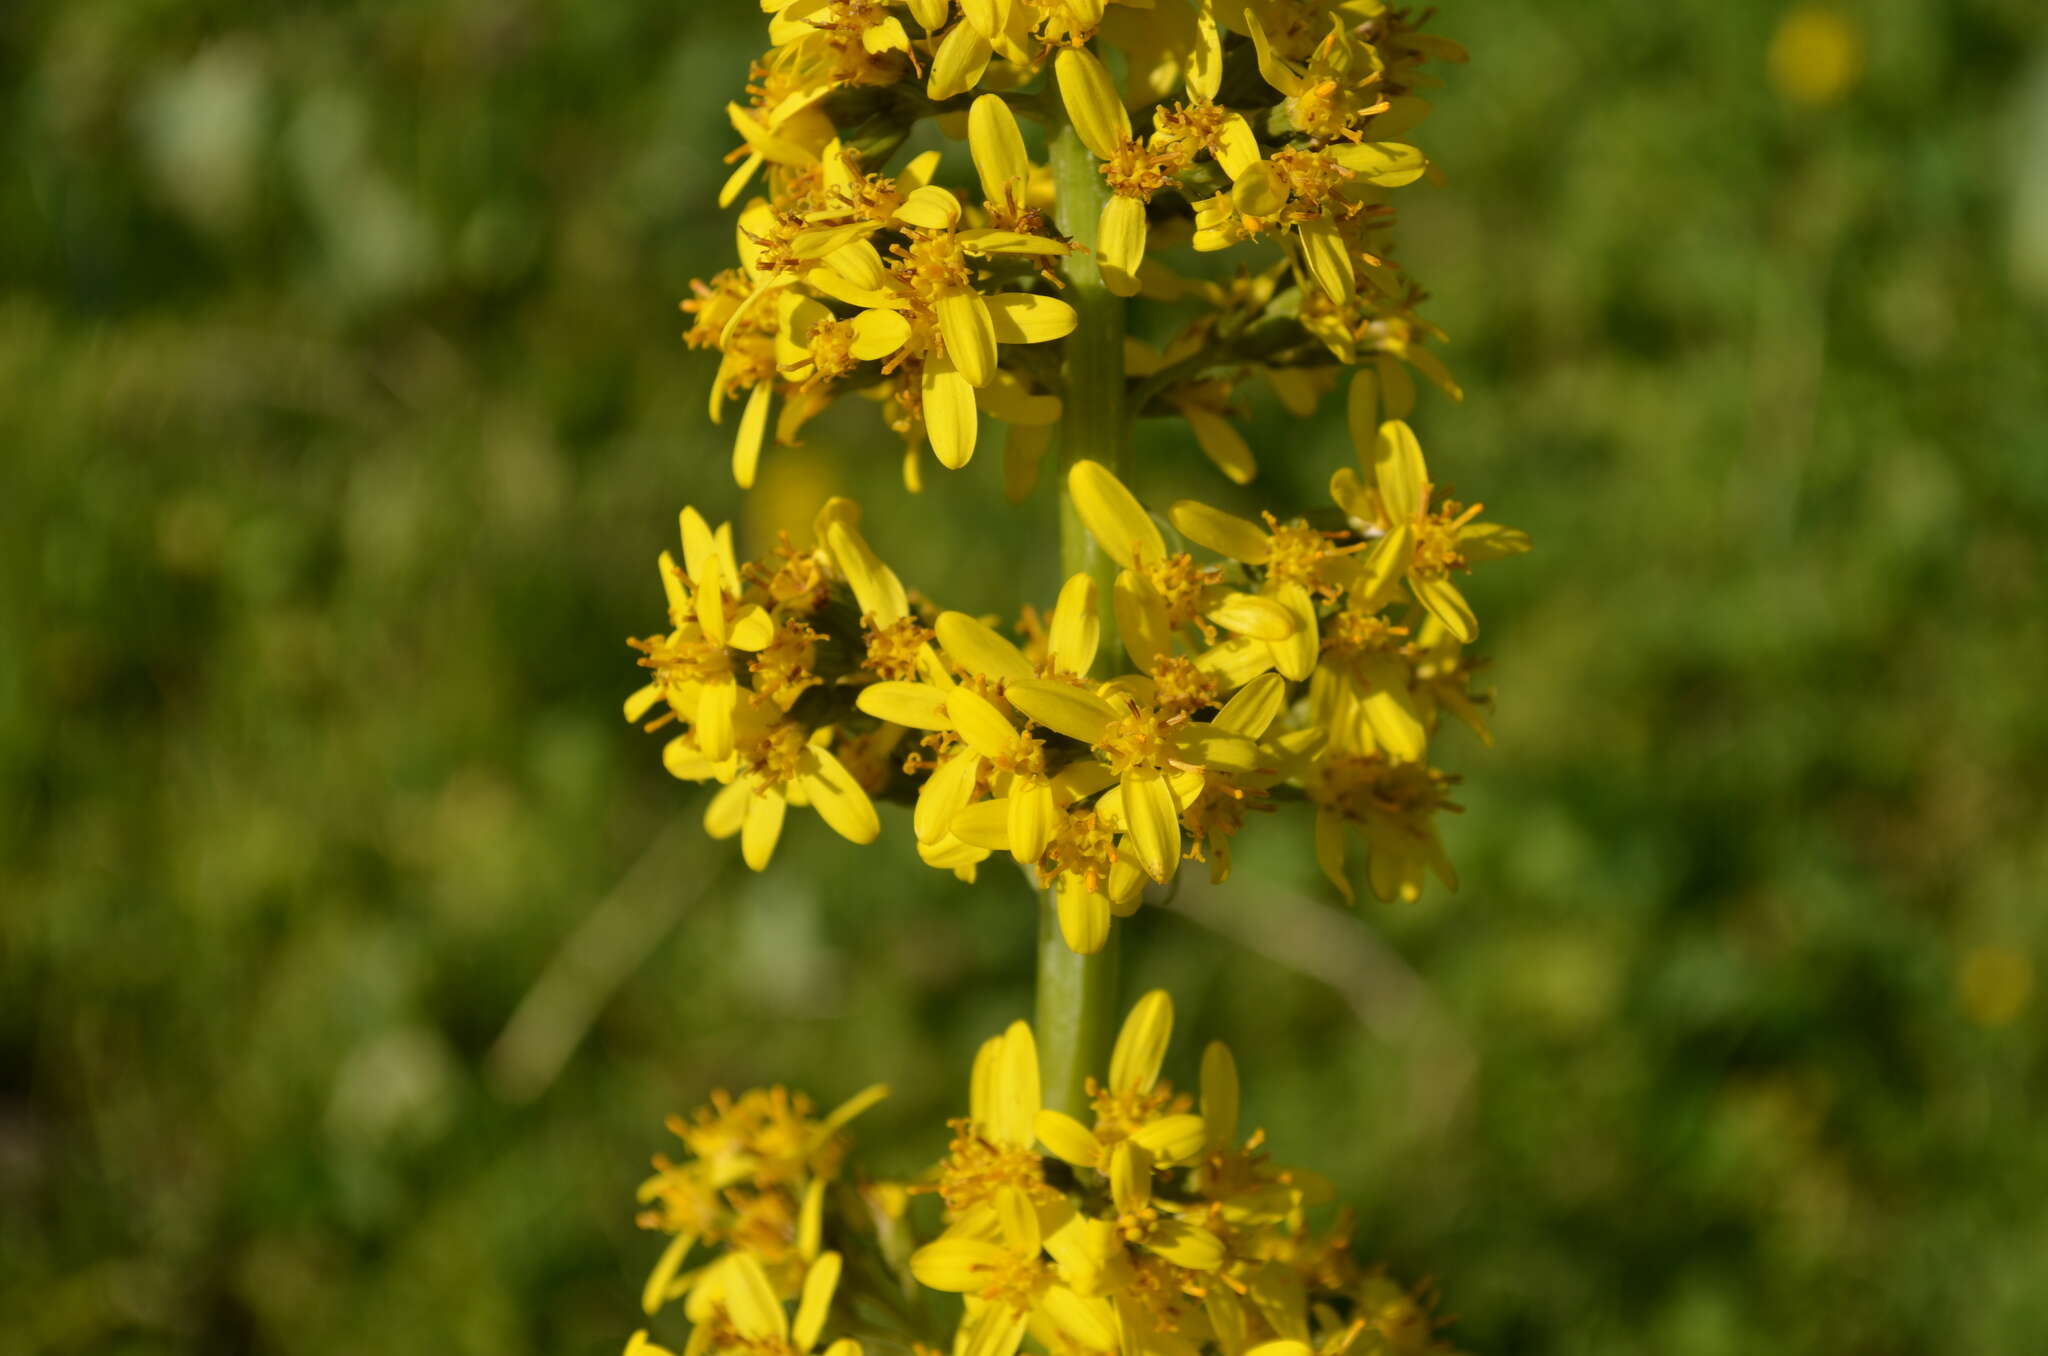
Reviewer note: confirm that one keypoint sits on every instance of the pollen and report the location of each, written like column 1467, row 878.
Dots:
column 1139, row 739
column 893, row 650
column 975, row 1169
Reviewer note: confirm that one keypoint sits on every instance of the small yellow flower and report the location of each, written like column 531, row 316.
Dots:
column 1422, row 544
column 776, row 763
column 1394, row 804
column 1158, row 594
column 693, row 665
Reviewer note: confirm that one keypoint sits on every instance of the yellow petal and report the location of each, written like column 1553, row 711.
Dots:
column 1014, row 1094
column 1185, row 1245
column 959, row 63
column 1141, row 620
column 1173, row 1139
column 1155, row 827
column 1239, row 149
column 750, row 1299
column 751, row 628
column 1113, row 515
column 1027, row 318
column 860, row 263
column 1447, row 604
column 1329, row 260
column 1034, row 819
column 969, row 331
column 918, row 705
column 811, row 1311
column 1295, row 656
column 686, row 761
column 763, row 828
column 998, row 150
column 1120, row 244
column 1008, row 398
column 642, row 701
column 984, row 728
column 1399, row 471
column 930, row 208
column 1067, row 1139
column 837, row 797
column 1389, row 164
column 656, row 1290
column 1018, row 1221
column 1221, row 443
column 1141, row 1043
column 949, row 414
column 959, row 1265
column 1224, row 533
column 746, row 445
column 1249, row 614
column 875, row 586
column 984, row 824
column 877, row 334
column 976, row 647
column 1204, row 75
column 1130, row 1178
column 1278, row 73
column 1384, row 567
column 1076, row 627
column 944, row 795
column 714, row 720
column 1259, row 191
column 1093, row 105
column 1088, row 1324
column 1074, row 712
column 1084, row 917
column 1255, row 707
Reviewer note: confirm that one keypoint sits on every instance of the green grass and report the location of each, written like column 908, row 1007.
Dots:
column 344, row 416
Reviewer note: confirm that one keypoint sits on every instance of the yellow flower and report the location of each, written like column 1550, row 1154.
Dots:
column 693, row 664
column 1158, row 594
column 1421, row 544
column 1156, row 762
column 1299, row 563
column 1394, row 804
column 747, row 1319
column 992, row 1149
column 756, row 1174
column 775, row 763
column 1134, row 1106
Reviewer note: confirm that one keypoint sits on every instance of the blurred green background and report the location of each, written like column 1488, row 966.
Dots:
column 343, row 415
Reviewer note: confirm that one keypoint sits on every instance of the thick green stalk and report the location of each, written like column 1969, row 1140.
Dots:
column 1076, row 1008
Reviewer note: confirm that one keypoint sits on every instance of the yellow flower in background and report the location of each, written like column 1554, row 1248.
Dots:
column 1816, row 55
column 741, row 1313
column 756, row 1174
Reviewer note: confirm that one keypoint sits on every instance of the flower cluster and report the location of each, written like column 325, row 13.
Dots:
column 1292, row 659
column 937, row 295
column 1155, row 1228
column 754, row 1188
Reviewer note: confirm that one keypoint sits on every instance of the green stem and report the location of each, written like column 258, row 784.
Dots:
column 1092, row 427
column 1077, row 994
